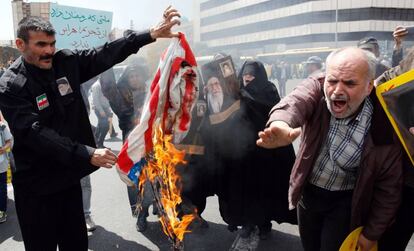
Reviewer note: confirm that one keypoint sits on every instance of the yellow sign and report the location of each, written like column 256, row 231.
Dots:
column 350, row 243
column 396, row 97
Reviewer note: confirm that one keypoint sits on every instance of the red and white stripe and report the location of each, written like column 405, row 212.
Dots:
column 173, row 94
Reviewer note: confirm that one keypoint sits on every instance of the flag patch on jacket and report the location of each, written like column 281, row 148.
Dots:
column 42, row 101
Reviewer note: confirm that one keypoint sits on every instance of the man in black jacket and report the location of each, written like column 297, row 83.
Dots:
column 40, row 96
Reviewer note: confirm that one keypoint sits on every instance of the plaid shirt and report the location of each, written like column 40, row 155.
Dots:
column 335, row 168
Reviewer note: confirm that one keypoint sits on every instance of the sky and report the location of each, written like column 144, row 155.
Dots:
column 144, row 13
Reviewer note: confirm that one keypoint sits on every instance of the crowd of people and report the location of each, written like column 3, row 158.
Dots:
column 349, row 171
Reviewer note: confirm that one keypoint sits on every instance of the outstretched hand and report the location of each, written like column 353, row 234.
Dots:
column 163, row 28
column 412, row 130
column 103, row 157
column 278, row 134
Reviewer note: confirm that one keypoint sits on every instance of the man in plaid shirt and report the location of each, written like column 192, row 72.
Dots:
column 348, row 168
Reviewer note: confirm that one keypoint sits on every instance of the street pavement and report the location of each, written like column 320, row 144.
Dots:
column 116, row 226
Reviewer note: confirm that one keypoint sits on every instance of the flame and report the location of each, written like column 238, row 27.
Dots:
column 166, row 182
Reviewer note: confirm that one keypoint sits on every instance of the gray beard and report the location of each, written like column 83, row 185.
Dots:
column 215, row 102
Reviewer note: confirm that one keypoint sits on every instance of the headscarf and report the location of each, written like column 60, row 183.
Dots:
column 260, row 90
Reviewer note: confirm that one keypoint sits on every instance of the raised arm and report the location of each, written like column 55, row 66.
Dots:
column 290, row 114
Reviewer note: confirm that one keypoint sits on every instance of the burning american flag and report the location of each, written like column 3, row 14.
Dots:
column 149, row 151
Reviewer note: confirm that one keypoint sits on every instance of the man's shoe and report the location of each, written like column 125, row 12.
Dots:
column 3, row 216
column 90, row 225
column 141, row 223
column 246, row 231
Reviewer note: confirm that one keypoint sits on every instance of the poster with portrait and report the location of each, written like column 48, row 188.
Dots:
column 397, row 98
column 227, row 68
column 220, row 84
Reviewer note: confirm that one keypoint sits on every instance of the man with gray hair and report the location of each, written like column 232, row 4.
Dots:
column 348, row 168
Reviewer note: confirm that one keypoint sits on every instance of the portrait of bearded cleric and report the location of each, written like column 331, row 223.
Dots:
column 221, row 88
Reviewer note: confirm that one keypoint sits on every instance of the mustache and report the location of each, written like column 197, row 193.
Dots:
column 341, row 97
column 45, row 57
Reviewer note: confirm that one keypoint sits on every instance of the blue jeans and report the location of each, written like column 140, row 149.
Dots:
column 3, row 191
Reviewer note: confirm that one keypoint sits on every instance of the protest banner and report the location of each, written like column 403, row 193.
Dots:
column 79, row 28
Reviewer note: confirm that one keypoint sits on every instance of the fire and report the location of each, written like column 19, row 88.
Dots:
column 166, row 183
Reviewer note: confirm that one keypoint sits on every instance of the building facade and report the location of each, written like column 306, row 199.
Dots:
column 8, row 43
column 252, row 27
column 23, row 9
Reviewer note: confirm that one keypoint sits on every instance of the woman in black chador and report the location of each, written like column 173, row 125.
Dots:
column 264, row 174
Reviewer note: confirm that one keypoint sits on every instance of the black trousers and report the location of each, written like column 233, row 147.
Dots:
column 396, row 238
column 324, row 218
column 52, row 221
column 3, row 191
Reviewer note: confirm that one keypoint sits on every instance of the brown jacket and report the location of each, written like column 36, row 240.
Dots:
column 377, row 193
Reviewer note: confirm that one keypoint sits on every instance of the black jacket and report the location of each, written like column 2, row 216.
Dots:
column 54, row 141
